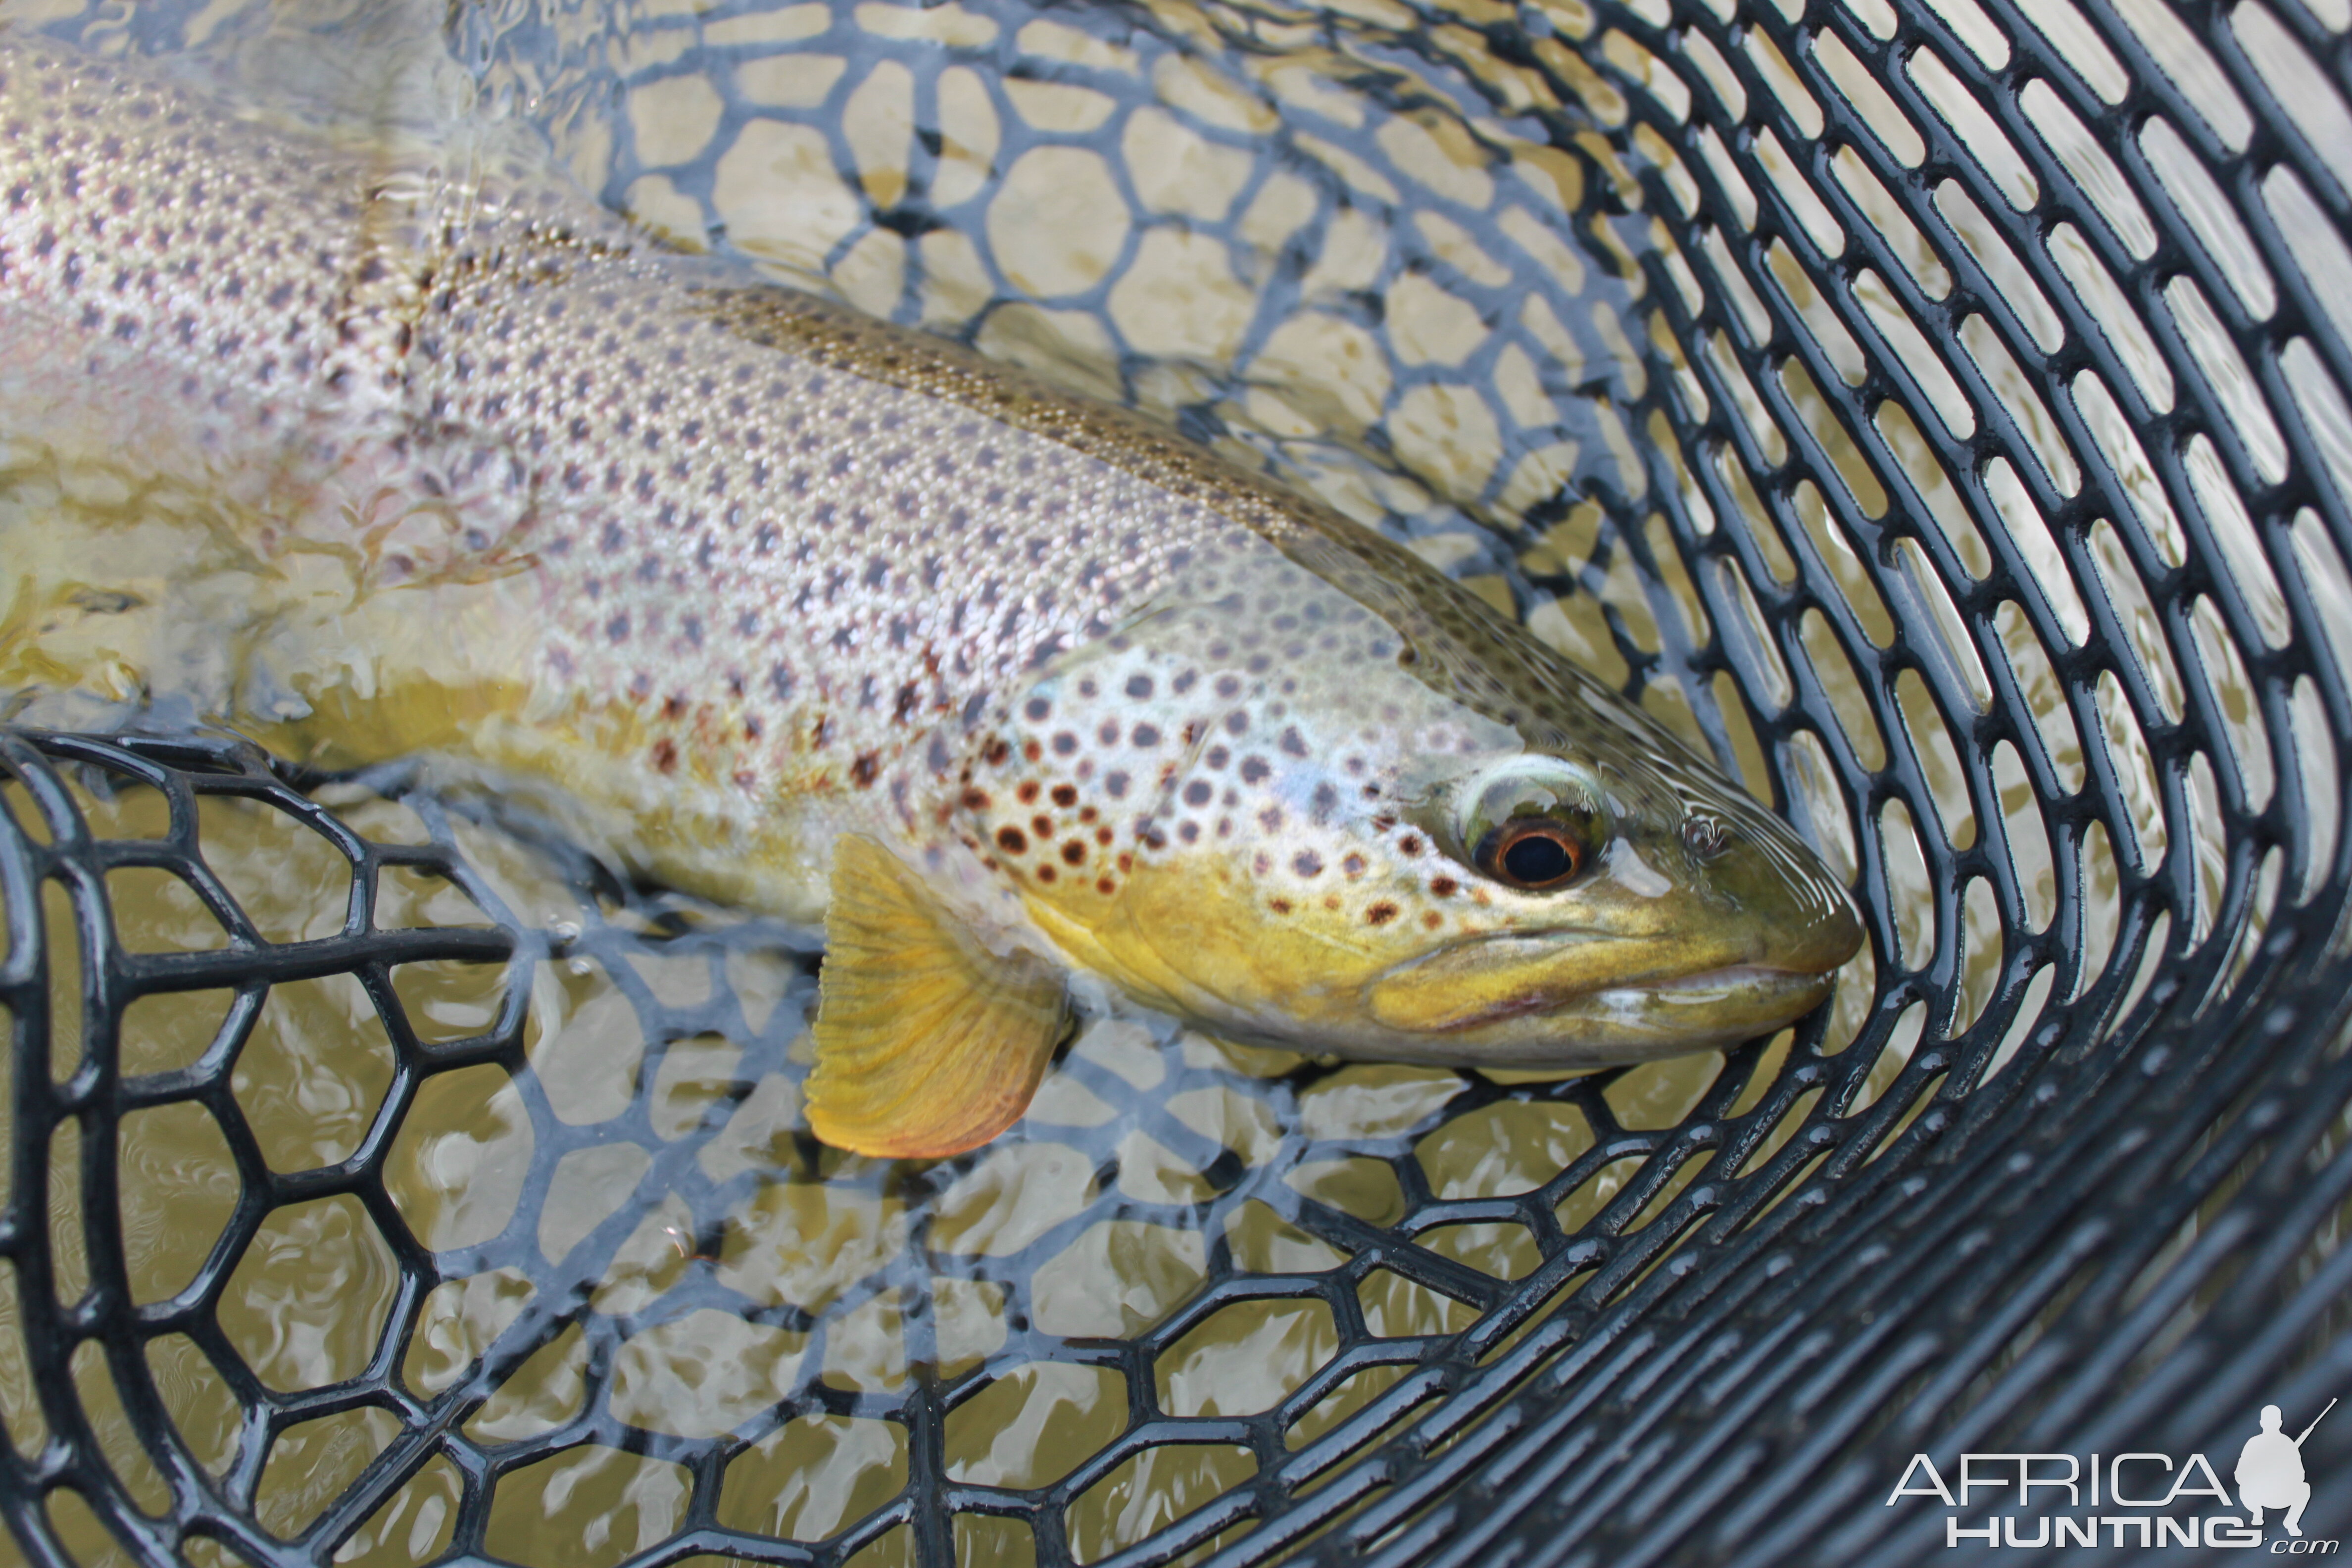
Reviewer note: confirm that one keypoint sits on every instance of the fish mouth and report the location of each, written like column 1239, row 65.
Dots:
column 1580, row 996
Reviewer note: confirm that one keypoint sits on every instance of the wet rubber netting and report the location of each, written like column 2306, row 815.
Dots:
column 1938, row 410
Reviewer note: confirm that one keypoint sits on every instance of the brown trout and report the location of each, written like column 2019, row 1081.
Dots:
column 369, row 455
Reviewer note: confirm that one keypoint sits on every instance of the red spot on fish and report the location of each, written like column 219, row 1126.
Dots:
column 1027, row 793
column 1409, row 843
column 1379, row 914
column 1102, row 834
column 1433, row 920
column 1046, row 873
column 976, row 799
column 1066, row 795
column 1032, row 750
column 665, row 755
column 1104, row 886
column 863, row 771
column 1011, row 840
column 1444, row 887
column 1074, row 852
column 1279, row 906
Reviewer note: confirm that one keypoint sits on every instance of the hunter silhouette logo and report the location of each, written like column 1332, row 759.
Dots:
column 2270, row 1471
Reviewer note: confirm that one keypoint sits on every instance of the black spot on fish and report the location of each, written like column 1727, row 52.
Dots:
column 1197, row 792
column 1255, row 770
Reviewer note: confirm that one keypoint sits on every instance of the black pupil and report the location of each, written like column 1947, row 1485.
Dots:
column 1537, row 858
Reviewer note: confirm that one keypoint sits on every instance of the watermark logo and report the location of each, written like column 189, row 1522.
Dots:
column 2045, row 1501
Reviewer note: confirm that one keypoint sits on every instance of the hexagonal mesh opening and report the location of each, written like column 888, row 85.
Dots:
column 1937, row 409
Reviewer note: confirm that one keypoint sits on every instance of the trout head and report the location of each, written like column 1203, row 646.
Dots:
column 1322, row 798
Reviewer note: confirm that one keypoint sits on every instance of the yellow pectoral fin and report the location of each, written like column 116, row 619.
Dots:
column 927, row 1044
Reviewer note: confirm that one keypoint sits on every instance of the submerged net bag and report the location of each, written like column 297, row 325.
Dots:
column 1940, row 409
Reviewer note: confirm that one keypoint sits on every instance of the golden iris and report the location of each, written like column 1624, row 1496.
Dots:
column 1532, row 823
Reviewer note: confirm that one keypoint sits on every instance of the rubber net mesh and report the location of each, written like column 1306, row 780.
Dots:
column 1939, row 409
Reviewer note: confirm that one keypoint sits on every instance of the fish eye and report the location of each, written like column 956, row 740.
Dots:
column 1532, row 823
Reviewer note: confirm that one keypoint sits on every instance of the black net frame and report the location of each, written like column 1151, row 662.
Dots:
column 2106, row 1216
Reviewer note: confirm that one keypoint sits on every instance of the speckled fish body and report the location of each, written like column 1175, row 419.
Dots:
column 751, row 576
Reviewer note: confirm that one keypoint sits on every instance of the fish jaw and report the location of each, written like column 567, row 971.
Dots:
column 1194, row 942
column 1753, row 947
column 1570, row 998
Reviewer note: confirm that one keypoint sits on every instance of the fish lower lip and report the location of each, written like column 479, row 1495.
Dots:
column 1482, row 983
column 1730, row 976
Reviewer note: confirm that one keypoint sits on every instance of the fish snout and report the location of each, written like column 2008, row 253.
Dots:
column 1789, row 914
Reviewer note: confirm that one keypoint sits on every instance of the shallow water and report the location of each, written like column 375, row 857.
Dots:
column 1362, row 255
